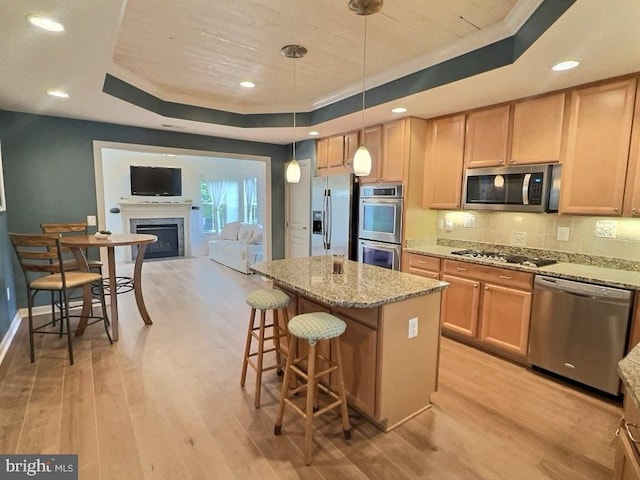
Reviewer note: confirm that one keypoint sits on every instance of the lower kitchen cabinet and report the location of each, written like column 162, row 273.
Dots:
column 505, row 318
column 489, row 306
column 627, row 462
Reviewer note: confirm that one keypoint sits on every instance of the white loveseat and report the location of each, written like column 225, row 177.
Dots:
column 238, row 246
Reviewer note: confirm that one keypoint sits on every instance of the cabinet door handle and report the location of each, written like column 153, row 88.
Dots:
column 627, row 427
column 511, row 161
column 501, row 161
column 505, row 277
column 475, row 285
column 461, row 269
column 634, row 210
column 615, row 209
column 486, row 288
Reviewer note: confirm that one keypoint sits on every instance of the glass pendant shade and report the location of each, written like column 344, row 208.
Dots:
column 293, row 172
column 362, row 162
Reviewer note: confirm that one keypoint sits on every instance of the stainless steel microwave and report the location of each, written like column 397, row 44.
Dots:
column 526, row 188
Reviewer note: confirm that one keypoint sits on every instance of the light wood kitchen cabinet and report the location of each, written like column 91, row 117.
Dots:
column 322, row 154
column 373, row 141
column 597, row 149
column 444, row 163
column 487, row 137
column 335, row 151
column 351, row 144
column 537, row 130
column 488, row 305
column 392, row 166
column 505, row 318
column 631, row 206
column 422, row 265
column 627, row 460
column 358, row 348
column 460, row 305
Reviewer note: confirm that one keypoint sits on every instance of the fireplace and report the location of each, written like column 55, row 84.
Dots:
column 167, row 244
column 170, row 233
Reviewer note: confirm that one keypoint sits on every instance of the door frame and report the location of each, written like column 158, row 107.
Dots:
column 287, row 241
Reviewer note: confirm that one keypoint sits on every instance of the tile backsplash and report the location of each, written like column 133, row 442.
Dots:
column 604, row 236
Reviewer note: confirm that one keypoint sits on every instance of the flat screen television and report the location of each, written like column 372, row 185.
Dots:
column 156, row 181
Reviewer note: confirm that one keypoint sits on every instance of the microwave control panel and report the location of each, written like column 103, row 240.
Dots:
column 535, row 189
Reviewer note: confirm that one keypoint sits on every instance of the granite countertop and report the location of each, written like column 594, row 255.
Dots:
column 611, row 277
column 360, row 286
column 629, row 371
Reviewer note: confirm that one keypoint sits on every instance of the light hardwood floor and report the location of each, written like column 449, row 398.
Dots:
column 165, row 402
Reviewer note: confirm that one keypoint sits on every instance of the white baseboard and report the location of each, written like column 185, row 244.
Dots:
column 11, row 333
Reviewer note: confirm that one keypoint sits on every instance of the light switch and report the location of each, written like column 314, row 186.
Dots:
column 448, row 225
column 91, row 220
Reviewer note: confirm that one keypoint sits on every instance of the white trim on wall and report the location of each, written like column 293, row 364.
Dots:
column 11, row 333
column 98, row 146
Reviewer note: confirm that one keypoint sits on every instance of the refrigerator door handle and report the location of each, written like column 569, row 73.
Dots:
column 324, row 220
column 329, row 219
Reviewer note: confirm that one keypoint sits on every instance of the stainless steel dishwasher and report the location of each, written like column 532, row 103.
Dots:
column 579, row 330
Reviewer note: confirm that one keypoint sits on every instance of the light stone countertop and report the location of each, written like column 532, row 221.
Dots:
column 360, row 286
column 610, row 277
column 629, row 371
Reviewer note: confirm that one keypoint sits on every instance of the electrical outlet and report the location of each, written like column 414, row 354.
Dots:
column 440, row 225
column 8, row 294
column 448, row 225
column 413, row 328
column 563, row 234
column 91, row 220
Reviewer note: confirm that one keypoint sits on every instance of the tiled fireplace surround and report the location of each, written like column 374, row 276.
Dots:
column 158, row 213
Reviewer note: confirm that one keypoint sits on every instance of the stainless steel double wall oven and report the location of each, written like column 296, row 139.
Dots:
column 380, row 225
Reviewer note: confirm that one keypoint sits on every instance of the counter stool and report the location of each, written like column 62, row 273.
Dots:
column 263, row 300
column 313, row 327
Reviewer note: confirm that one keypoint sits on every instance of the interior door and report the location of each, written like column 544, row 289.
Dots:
column 299, row 213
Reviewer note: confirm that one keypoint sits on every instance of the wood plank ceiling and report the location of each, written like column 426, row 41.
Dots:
column 198, row 51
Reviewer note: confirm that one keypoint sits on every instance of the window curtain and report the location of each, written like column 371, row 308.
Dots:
column 218, row 191
column 250, row 200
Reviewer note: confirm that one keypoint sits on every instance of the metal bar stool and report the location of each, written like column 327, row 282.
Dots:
column 313, row 327
column 263, row 300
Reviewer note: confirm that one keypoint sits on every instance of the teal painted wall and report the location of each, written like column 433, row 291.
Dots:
column 49, row 177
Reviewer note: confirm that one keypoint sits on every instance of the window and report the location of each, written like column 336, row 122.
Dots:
column 225, row 201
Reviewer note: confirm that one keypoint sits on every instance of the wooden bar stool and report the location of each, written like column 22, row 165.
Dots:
column 263, row 300
column 313, row 327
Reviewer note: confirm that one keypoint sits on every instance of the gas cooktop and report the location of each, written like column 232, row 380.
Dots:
column 505, row 258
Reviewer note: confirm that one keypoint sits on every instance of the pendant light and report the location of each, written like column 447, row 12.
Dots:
column 293, row 168
column 362, row 157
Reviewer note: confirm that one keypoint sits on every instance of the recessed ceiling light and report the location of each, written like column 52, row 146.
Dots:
column 56, row 92
column 46, row 23
column 566, row 65
column 399, row 110
column 247, row 84
column 313, row 133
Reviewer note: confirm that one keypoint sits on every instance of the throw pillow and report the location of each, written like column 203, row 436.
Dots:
column 245, row 232
column 256, row 238
column 230, row 231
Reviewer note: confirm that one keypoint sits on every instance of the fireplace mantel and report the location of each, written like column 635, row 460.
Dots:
column 144, row 210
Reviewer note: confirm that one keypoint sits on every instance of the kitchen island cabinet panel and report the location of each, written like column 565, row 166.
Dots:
column 627, row 461
column 597, row 149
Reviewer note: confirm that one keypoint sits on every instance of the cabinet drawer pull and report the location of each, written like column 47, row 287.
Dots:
column 461, row 269
column 627, row 427
column 422, row 262
column 505, row 277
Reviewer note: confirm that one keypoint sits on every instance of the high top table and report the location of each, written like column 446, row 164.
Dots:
column 77, row 243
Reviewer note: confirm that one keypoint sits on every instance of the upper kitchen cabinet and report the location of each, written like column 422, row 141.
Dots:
column 330, row 155
column 393, row 151
column 631, row 204
column 351, row 144
column 597, row 148
column 537, row 130
column 444, row 163
column 373, row 141
column 487, row 137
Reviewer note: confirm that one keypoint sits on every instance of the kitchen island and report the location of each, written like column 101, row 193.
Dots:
column 390, row 349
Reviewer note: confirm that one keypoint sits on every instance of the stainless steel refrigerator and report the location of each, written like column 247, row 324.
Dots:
column 334, row 215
